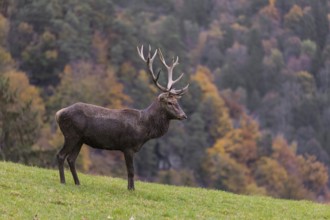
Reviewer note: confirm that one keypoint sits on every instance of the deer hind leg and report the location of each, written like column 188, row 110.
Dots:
column 72, row 162
column 61, row 155
column 68, row 147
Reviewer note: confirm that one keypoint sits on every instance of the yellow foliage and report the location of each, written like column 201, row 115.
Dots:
column 272, row 3
column 48, row 37
column 127, row 70
column 294, row 15
column 25, row 95
column 100, row 46
column 271, row 175
column 4, row 28
column 85, row 158
column 19, row 82
column 115, row 92
column 296, row 10
column 215, row 30
column 271, row 11
column 51, row 54
column 219, row 146
column 88, row 83
column 314, row 173
column 239, row 28
column 67, row 69
column 307, row 82
column 25, row 27
column 221, row 123
column 205, row 80
column 282, row 150
column 225, row 173
column 239, row 143
column 5, row 58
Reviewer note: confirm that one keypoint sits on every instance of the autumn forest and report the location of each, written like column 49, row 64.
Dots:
column 258, row 104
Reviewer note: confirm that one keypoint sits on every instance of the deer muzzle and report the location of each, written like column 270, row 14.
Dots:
column 183, row 116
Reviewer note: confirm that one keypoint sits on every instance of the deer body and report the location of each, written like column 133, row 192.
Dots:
column 125, row 130
column 104, row 128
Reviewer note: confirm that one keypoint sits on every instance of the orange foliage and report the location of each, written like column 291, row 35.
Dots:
column 314, row 173
column 284, row 153
column 294, row 15
column 225, row 173
column 271, row 175
column 227, row 162
column 271, row 11
column 240, row 143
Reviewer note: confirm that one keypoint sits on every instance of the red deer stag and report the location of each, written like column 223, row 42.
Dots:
column 125, row 130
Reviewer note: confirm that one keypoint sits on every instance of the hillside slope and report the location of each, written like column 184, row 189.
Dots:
column 34, row 193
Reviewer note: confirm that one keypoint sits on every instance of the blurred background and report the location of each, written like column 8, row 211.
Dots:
column 258, row 104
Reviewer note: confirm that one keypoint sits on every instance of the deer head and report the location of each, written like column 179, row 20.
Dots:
column 169, row 98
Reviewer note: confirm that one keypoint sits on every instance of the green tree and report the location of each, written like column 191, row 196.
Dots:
column 197, row 11
column 21, row 111
column 254, row 68
column 86, row 82
column 213, row 106
column 273, row 65
column 45, row 35
column 223, row 172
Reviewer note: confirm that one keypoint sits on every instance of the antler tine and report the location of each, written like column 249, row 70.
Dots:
column 140, row 52
column 180, row 92
column 149, row 62
column 176, row 61
column 170, row 81
column 177, row 80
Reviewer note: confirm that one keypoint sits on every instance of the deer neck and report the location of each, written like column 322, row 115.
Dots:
column 156, row 120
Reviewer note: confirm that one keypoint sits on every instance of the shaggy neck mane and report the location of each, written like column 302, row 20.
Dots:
column 157, row 119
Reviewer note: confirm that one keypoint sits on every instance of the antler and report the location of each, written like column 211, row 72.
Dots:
column 149, row 62
column 170, row 81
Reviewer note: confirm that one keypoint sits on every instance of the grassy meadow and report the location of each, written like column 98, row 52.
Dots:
column 35, row 193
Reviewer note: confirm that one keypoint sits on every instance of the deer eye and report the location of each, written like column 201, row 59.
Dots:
column 170, row 103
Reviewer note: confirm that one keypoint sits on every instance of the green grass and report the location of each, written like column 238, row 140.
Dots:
column 35, row 193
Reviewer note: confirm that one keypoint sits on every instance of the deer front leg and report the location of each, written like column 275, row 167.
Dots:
column 129, row 155
column 60, row 161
